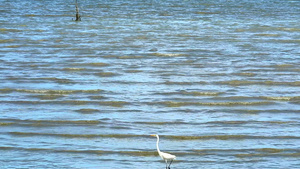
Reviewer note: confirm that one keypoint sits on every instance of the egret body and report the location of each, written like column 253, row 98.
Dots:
column 165, row 156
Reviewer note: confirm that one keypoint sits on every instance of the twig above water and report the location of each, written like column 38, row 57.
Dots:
column 78, row 18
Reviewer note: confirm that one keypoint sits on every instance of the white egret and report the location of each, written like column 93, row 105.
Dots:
column 165, row 156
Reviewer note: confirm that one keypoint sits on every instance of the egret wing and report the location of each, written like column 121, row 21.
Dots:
column 167, row 156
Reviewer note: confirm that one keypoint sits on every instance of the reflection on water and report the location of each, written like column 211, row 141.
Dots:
column 219, row 81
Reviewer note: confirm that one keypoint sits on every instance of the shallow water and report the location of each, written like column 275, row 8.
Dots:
column 219, row 81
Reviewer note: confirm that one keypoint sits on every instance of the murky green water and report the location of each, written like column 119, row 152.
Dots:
column 218, row 80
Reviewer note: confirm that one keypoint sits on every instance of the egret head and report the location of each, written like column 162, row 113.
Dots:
column 154, row 135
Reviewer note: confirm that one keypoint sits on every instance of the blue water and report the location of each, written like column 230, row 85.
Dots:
column 217, row 80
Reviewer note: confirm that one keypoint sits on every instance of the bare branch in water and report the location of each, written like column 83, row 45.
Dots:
column 78, row 18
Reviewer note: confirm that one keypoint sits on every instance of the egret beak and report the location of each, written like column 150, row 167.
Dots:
column 153, row 135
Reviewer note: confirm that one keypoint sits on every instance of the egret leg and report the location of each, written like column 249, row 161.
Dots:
column 170, row 164
column 166, row 164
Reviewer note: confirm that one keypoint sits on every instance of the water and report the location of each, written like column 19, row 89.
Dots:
column 218, row 80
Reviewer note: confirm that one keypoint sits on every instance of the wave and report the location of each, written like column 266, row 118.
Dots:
column 70, row 102
column 6, row 40
column 41, row 80
column 6, row 123
column 259, row 98
column 123, row 57
column 268, row 83
column 249, row 111
column 180, row 104
column 245, row 74
column 10, row 30
column 87, row 111
column 216, row 122
column 98, row 152
column 46, row 123
column 47, row 96
column 184, row 83
column 251, row 122
column 106, row 74
column 39, row 123
column 114, row 103
column 168, row 54
column 207, row 13
column 73, row 69
column 34, row 15
column 193, row 93
column 229, row 137
column 48, row 91
column 171, row 137
column 281, row 98
column 29, row 134
column 262, row 152
column 267, row 34
column 244, row 155
column 162, row 123
column 94, row 64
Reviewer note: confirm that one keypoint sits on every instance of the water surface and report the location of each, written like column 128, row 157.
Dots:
column 219, row 81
